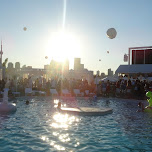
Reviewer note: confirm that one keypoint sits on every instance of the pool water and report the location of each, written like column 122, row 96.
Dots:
column 38, row 127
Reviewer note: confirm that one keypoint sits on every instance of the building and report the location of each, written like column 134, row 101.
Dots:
column 10, row 65
column 103, row 75
column 77, row 64
column 17, row 65
column 47, row 67
column 66, row 66
column 139, row 62
column 98, row 72
column 110, row 72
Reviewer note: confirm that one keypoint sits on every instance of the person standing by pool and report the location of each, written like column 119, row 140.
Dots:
column 103, row 88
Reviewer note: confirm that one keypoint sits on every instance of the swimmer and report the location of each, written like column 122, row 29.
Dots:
column 27, row 102
column 14, row 101
column 141, row 106
column 59, row 106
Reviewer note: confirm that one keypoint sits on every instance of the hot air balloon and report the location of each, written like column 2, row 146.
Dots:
column 24, row 28
column 46, row 57
column 111, row 33
column 107, row 51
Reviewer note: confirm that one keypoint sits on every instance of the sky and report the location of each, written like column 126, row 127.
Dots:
column 85, row 23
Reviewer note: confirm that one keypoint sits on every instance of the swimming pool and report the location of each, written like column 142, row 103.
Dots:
column 37, row 127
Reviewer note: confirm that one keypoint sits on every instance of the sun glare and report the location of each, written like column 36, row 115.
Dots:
column 63, row 45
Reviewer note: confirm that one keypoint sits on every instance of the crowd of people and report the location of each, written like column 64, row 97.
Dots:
column 135, row 89
column 41, row 84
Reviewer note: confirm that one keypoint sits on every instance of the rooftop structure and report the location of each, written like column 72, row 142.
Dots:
column 139, row 61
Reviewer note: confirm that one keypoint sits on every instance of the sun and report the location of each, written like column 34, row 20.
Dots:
column 63, row 45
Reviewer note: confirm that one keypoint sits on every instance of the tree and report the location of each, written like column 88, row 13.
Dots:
column 5, row 62
column 24, row 66
column 4, row 68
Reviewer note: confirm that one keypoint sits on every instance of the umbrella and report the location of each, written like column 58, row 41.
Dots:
column 110, row 78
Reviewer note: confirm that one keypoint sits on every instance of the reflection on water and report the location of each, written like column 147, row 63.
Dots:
column 55, row 102
column 3, row 118
column 52, row 143
column 64, row 137
column 61, row 122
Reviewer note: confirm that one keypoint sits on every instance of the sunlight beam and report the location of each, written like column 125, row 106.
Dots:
column 64, row 13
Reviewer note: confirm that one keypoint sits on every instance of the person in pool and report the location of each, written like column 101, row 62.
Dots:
column 141, row 107
column 59, row 106
column 147, row 108
column 27, row 102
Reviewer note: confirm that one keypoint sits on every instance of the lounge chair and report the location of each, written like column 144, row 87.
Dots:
column 43, row 93
column 66, row 92
column 35, row 92
column 28, row 91
column 16, row 93
column 77, row 92
column 88, row 93
column 53, row 92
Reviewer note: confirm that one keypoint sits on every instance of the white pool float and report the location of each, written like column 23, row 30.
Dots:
column 87, row 111
column 6, row 107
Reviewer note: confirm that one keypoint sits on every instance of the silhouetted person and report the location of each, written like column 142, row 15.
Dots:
column 141, row 106
column 59, row 106
column 27, row 102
